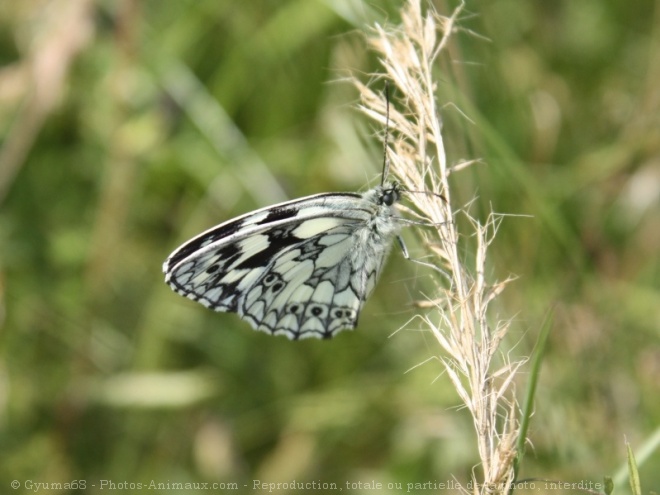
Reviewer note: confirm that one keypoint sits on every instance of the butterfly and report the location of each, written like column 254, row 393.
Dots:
column 303, row 268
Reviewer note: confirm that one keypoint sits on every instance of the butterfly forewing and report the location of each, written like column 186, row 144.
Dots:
column 302, row 268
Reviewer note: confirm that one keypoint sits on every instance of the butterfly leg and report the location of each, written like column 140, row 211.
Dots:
column 408, row 221
column 404, row 251
column 403, row 247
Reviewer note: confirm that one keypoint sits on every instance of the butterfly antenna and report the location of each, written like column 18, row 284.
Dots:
column 386, row 162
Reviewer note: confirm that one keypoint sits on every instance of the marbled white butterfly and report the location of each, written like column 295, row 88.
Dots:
column 303, row 268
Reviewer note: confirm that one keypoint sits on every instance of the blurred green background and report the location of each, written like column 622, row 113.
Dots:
column 129, row 126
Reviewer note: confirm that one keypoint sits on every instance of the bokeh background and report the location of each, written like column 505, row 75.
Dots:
column 129, row 126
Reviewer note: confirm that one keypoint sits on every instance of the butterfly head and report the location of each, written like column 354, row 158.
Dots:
column 390, row 194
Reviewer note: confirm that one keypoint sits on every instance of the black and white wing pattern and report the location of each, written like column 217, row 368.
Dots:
column 302, row 269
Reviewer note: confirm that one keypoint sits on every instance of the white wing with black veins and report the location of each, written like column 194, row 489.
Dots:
column 303, row 268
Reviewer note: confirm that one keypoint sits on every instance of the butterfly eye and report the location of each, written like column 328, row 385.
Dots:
column 390, row 196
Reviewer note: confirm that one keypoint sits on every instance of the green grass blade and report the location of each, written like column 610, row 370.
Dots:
column 535, row 372
column 635, row 485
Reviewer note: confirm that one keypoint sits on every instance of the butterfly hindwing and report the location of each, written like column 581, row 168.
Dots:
column 308, row 289
column 302, row 268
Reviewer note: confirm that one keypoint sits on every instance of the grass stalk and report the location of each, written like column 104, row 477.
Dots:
column 481, row 373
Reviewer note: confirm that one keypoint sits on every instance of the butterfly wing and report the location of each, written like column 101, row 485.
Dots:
column 302, row 268
column 305, row 290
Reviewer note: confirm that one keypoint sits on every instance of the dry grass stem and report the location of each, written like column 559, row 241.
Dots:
column 457, row 312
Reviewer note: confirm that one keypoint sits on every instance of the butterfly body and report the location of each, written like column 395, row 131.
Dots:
column 303, row 268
